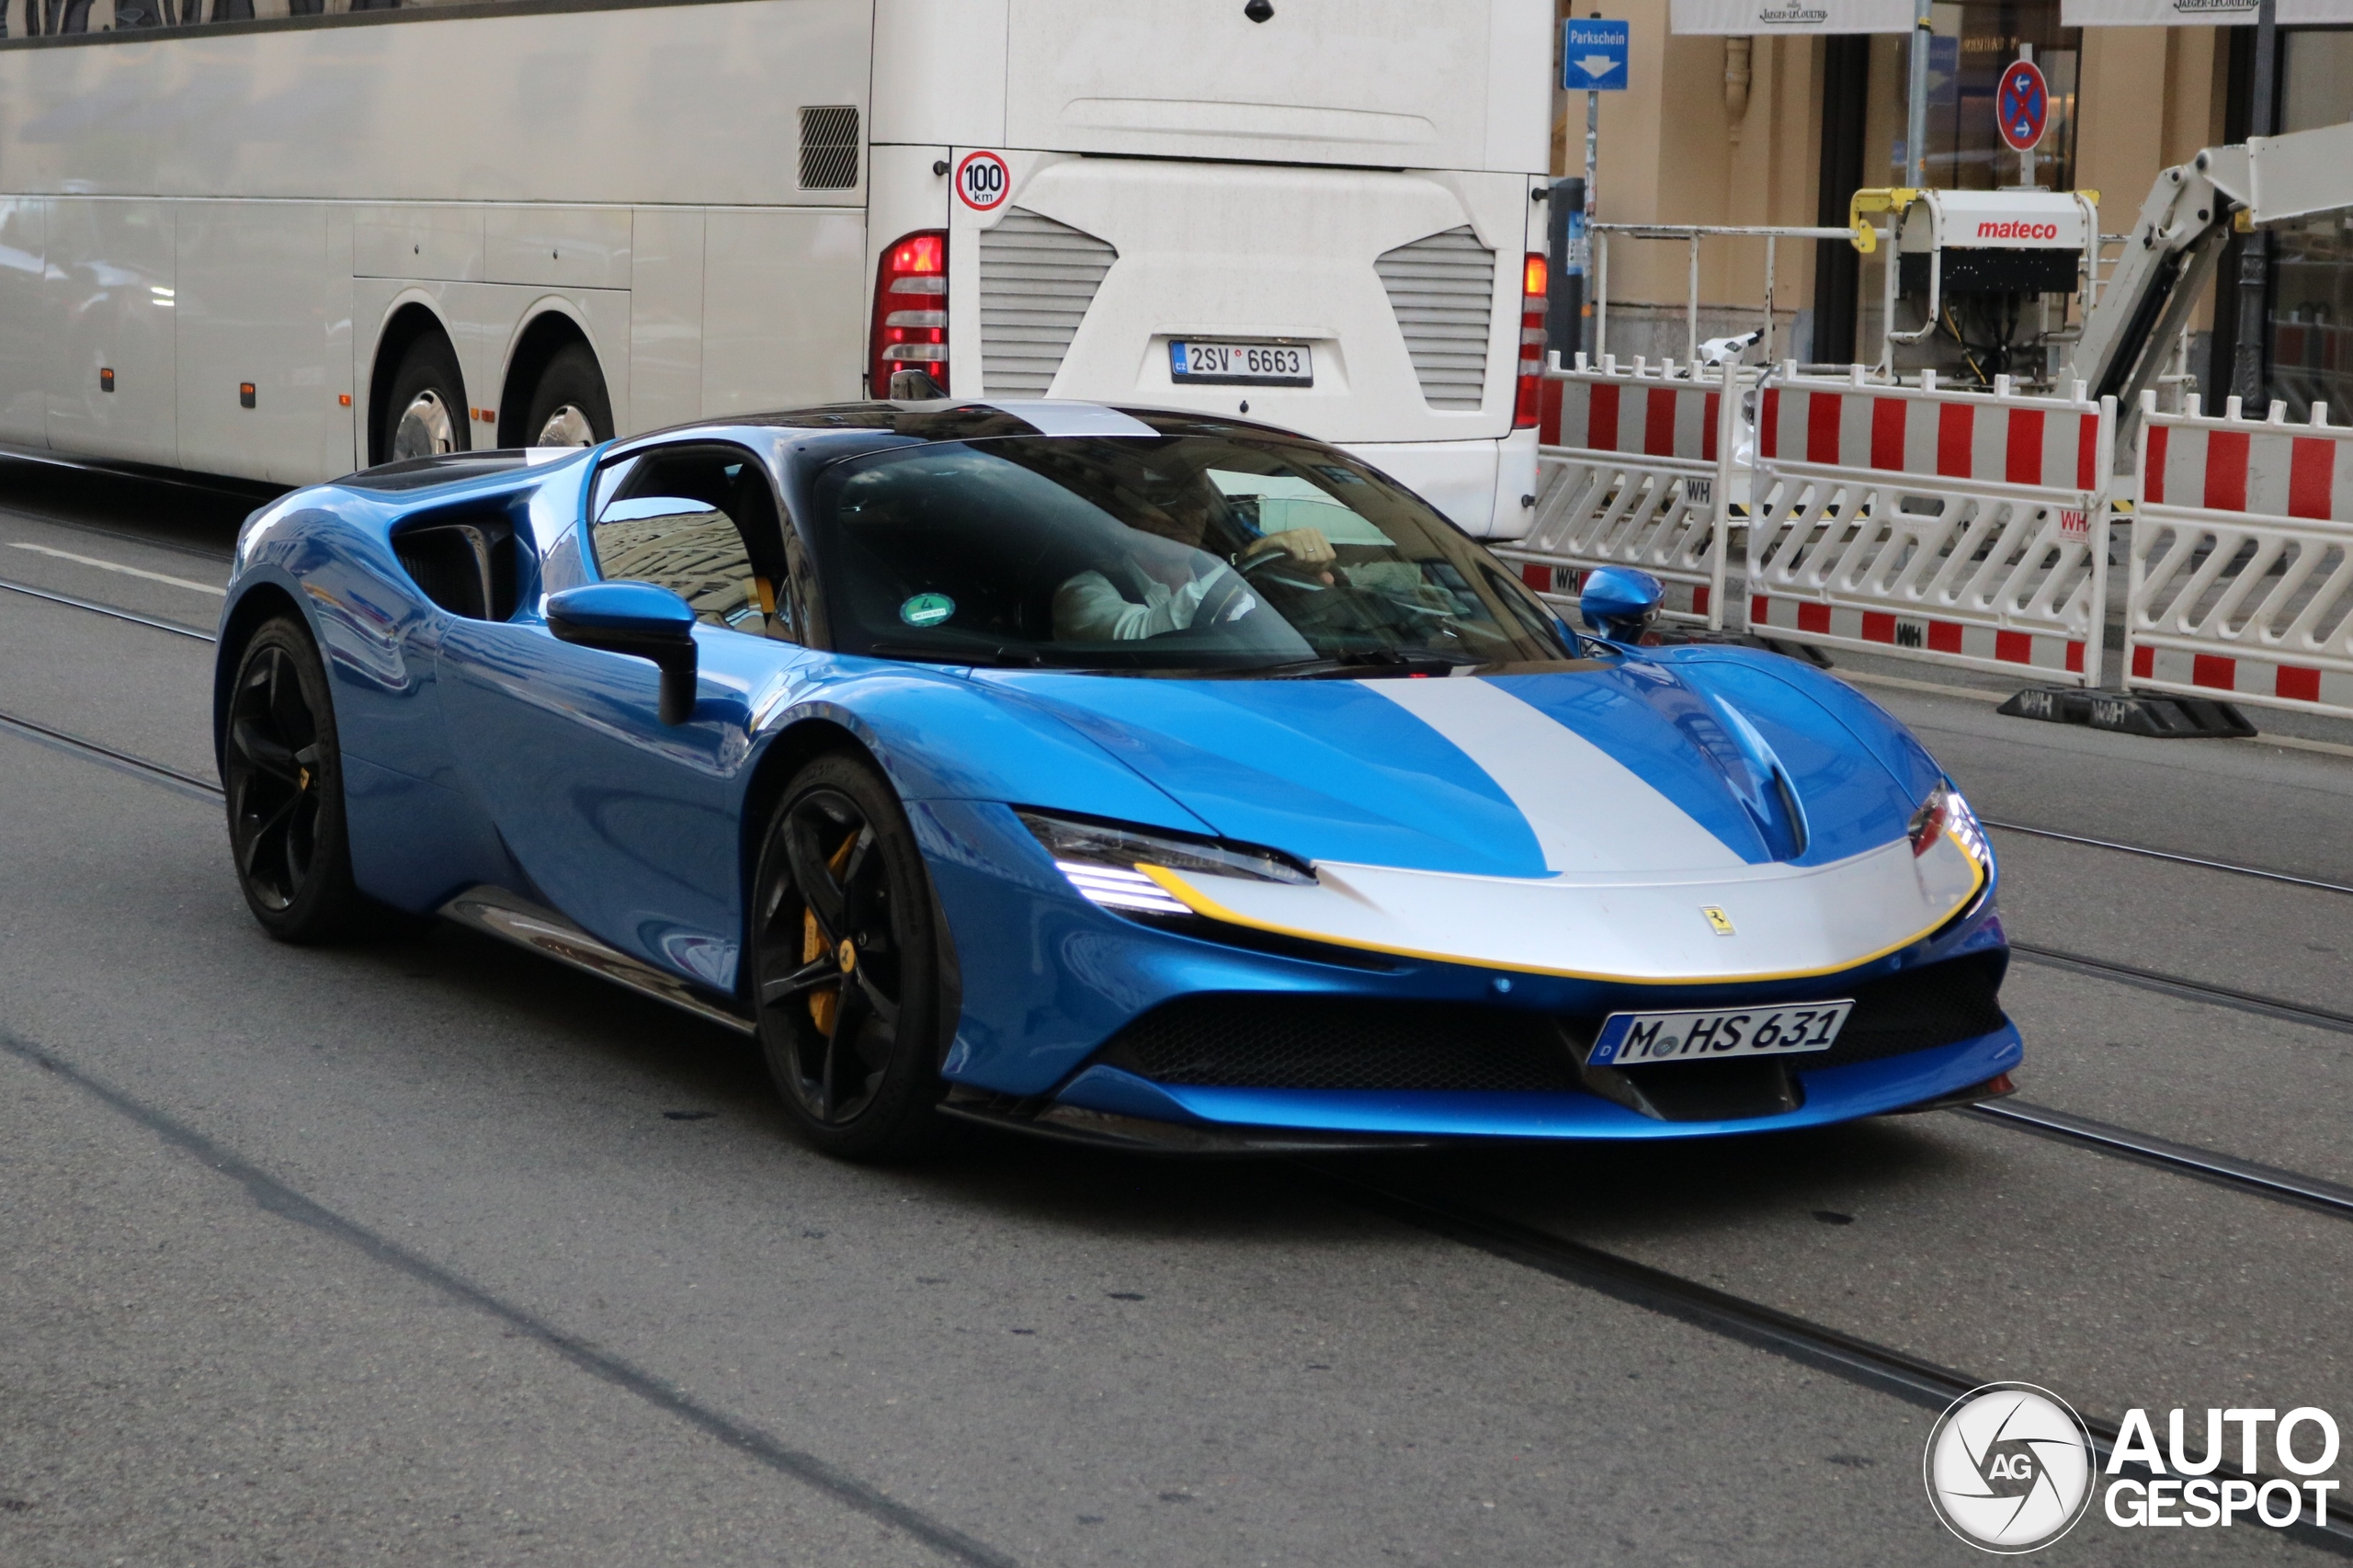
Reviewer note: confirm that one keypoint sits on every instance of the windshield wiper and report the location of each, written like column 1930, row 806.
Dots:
column 987, row 658
column 1370, row 660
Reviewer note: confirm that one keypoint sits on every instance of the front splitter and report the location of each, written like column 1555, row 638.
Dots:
column 1832, row 1094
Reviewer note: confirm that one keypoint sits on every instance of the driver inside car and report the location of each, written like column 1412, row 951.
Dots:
column 1168, row 585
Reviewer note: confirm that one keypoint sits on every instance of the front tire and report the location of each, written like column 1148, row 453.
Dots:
column 845, row 965
column 281, row 768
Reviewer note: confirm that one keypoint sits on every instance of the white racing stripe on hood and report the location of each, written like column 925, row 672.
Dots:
column 1589, row 811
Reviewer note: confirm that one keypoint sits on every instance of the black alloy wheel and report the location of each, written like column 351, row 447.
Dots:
column 283, row 777
column 845, row 965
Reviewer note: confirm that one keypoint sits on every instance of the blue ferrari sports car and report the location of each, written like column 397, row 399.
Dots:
column 1148, row 778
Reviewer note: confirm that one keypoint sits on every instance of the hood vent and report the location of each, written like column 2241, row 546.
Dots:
column 1443, row 289
column 1038, row 278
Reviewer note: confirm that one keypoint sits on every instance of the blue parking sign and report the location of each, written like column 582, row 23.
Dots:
column 1593, row 56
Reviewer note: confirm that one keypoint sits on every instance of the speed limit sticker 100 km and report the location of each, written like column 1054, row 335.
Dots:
column 981, row 181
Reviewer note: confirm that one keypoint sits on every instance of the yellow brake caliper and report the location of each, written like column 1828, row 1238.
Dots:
column 824, row 1004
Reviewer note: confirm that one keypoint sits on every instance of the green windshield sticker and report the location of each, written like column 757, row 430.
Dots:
column 926, row 610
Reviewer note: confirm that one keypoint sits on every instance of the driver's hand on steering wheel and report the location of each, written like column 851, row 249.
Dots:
column 1306, row 547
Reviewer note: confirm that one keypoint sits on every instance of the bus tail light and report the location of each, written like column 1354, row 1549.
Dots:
column 911, row 312
column 1527, row 406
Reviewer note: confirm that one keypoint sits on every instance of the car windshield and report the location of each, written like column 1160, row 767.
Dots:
column 1224, row 553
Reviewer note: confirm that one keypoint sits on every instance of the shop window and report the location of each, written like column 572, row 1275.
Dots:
column 2312, row 259
column 1973, row 43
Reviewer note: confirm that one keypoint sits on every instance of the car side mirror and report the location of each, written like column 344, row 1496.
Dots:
column 1619, row 602
column 642, row 621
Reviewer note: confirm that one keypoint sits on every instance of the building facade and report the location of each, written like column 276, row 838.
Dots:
column 1782, row 129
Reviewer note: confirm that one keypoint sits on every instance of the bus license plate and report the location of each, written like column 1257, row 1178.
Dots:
column 1241, row 364
column 1631, row 1039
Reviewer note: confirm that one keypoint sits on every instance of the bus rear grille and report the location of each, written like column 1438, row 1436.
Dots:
column 1443, row 289
column 1038, row 278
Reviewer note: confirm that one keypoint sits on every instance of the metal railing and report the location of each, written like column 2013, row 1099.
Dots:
column 1692, row 234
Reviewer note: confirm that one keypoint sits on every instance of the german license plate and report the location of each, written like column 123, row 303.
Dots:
column 1241, row 364
column 1633, row 1039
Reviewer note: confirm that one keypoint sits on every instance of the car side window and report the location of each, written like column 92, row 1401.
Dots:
column 701, row 521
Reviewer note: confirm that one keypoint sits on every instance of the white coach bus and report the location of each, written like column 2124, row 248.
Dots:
column 278, row 239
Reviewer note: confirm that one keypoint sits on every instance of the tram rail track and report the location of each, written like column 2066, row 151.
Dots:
column 2119, row 846
column 107, row 756
column 2182, row 986
column 1850, row 1358
column 2182, row 1159
column 112, row 612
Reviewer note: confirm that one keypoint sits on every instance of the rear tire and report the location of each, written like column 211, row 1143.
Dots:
column 282, row 771
column 425, row 411
column 845, row 966
column 570, row 406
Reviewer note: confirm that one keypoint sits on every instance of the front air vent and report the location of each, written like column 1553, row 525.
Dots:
column 1443, row 289
column 829, row 147
column 1038, row 278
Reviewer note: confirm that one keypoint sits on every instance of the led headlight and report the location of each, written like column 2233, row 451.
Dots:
column 1101, row 859
column 1945, row 812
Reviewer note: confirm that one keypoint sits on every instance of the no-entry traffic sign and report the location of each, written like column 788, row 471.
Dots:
column 2023, row 105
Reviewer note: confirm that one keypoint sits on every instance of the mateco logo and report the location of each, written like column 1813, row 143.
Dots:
column 2009, row 1468
column 2016, row 229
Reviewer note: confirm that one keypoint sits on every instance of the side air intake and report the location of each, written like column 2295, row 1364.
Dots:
column 1038, row 278
column 1443, row 289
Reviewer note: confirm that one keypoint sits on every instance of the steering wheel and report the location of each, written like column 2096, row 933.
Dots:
column 1284, row 567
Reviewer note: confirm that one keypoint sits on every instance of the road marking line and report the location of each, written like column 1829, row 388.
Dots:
column 126, row 570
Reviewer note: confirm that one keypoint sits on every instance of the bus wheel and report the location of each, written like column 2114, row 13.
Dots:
column 569, row 407
column 426, row 414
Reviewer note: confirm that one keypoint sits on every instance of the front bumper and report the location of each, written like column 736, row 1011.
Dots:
column 1048, row 980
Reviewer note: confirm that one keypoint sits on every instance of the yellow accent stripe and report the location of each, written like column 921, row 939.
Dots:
column 1203, row 905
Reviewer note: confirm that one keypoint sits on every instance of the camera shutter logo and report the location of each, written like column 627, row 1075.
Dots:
column 2009, row 1468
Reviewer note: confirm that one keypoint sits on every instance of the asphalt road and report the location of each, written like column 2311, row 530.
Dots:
column 427, row 1251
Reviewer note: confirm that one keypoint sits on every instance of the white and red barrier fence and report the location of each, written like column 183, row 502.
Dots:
column 1631, row 470
column 1922, row 522
column 2242, row 559
column 1960, row 527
